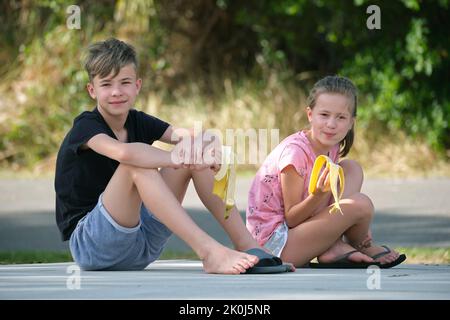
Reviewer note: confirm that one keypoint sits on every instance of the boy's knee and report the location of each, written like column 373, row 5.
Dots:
column 135, row 172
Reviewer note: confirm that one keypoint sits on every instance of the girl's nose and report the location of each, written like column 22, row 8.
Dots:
column 331, row 123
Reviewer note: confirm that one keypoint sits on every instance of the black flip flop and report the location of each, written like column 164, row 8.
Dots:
column 343, row 262
column 267, row 263
column 394, row 263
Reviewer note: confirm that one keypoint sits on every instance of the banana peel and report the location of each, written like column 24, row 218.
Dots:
column 225, row 180
column 335, row 173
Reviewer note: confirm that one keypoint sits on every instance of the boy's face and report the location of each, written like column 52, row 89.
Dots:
column 116, row 95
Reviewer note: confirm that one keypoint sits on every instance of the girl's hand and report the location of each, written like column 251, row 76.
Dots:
column 323, row 183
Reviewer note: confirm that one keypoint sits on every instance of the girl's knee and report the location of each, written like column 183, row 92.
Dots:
column 351, row 166
column 363, row 205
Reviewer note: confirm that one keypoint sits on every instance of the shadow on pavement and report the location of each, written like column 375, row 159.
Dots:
column 38, row 231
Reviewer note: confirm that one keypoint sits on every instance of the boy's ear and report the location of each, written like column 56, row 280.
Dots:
column 138, row 84
column 90, row 89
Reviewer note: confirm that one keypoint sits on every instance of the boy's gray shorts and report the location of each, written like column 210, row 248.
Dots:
column 99, row 243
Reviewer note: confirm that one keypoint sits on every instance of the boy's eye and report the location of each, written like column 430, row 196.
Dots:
column 127, row 82
column 104, row 85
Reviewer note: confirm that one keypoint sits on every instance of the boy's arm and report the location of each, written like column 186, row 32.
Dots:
column 295, row 210
column 198, row 151
column 136, row 153
column 173, row 135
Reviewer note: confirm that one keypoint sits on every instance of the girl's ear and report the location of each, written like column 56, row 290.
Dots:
column 352, row 122
column 309, row 113
column 90, row 89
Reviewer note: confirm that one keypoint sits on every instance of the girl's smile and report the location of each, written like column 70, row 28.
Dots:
column 331, row 119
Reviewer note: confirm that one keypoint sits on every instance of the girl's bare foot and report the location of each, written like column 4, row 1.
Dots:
column 226, row 261
column 340, row 248
column 374, row 250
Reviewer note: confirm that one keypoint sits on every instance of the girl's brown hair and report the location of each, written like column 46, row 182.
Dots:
column 341, row 85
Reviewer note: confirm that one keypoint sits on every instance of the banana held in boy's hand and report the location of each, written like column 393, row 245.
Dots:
column 335, row 172
column 225, row 180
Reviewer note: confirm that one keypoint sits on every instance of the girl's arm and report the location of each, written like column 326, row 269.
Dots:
column 295, row 210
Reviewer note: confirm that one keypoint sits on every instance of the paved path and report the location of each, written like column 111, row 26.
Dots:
column 408, row 213
column 184, row 279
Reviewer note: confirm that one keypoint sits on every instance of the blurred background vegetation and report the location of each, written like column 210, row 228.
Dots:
column 235, row 64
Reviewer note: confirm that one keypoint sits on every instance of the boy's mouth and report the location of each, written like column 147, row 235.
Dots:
column 116, row 102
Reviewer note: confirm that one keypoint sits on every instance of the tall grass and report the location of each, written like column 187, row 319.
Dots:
column 45, row 90
column 282, row 106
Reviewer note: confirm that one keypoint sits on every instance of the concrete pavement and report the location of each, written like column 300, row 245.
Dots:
column 184, row 279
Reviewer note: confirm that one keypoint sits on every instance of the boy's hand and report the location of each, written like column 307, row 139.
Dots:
column 206, row 151
column 177, row 157
column 197, row 153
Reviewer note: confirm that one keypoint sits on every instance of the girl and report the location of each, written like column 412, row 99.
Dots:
column 297, row 226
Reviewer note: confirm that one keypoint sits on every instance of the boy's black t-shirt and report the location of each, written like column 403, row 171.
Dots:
column 82, row 175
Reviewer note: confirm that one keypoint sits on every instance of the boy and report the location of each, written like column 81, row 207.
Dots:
column 107, row 177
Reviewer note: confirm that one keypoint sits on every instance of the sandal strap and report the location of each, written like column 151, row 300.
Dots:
column 345, row 256
column 379, row 255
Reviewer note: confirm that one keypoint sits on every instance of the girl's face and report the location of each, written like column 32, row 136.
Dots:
column 331, row 119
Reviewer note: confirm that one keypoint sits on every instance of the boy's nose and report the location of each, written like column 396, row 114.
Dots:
column 116, row 92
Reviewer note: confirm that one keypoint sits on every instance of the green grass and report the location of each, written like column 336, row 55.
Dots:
column 19, row 257
column 169, row 255
column 16, row 257
column 416, row 255
column 426, row 255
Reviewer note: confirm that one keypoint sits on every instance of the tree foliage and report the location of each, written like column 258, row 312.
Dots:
column 401, row 70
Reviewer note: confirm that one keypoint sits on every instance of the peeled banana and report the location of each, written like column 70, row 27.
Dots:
column 335, row 172
column 225, row 180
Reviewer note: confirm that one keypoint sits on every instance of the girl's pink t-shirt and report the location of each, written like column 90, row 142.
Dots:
column 265, row 210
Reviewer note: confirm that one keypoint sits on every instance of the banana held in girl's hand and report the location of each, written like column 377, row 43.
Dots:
column 335, row 172
column 225, row 180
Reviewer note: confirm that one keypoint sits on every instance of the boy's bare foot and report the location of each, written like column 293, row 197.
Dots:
column 374, row 250
column 226, row 261
column 340, row 248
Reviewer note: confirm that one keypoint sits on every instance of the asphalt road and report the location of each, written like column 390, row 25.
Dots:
column 408, row 213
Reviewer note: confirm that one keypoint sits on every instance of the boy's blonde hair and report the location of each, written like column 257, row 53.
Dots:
column 109, row 56
column 341, row 85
